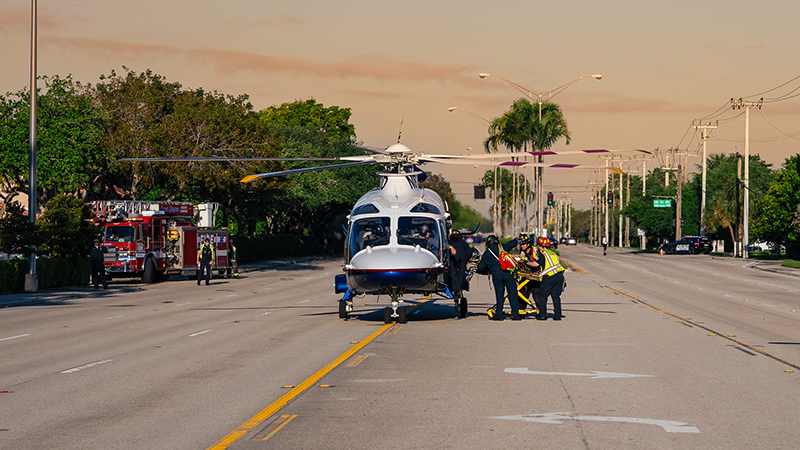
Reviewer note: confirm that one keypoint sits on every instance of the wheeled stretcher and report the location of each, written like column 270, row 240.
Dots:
column 528, row 283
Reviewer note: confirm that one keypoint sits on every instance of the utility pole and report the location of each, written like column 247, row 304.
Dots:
column 644, row 176
column 608, row 187
column 678, row 179
column 627, row 218
column 738, row 104
column 678, row 206
column 621, row 205
column 704, row 135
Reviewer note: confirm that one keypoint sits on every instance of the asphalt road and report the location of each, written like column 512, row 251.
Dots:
column 654, row 352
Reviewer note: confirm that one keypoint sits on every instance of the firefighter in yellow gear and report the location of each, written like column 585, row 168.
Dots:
column 233, row 267
column 552, row 275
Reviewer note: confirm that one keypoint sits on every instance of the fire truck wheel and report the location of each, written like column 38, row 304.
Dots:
column 149, row 275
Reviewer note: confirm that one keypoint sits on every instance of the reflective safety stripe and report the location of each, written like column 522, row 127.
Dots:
column 552, row 265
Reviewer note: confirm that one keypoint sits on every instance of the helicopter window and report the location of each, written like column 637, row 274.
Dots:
column 425, row 208
column 373, row 231
column 366, row 209
column 421, row 231
column 413, row 182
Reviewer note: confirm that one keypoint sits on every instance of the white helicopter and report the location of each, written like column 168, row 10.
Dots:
column 397, row 234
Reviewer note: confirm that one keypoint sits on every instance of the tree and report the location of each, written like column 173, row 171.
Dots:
column 65, row 228
column 725, row 192
column 776, row 212
column 16, row 231
column 308, row 202
column 463, row 216
column 505, row 190
column 149, row 117
column 69, row 134
column 521, row 128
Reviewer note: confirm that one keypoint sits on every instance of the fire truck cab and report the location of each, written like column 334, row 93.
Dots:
column 154, row 240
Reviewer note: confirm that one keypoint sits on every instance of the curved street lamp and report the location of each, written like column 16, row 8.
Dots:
column 477, row 117
column 539, row 100
column 486, row 122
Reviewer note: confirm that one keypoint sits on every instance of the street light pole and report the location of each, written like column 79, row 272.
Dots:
column 540, row 99
column 31, row 281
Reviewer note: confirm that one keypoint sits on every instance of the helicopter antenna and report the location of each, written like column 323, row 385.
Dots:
column 401, row 131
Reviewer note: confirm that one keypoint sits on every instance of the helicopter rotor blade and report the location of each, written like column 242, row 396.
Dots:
column 521, row 163
column 250, row 178
column 243, row 159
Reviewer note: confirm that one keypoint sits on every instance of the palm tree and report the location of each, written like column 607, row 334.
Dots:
column 724, row 200
column 525, row 126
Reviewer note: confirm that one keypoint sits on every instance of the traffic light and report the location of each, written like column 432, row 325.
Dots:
column 610, row 198
column 550, row 199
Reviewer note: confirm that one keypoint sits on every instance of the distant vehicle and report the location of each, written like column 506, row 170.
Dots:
column 471, row 238
column 571, row 241
column 553, row 242
column 761, row 246
column 688, row 245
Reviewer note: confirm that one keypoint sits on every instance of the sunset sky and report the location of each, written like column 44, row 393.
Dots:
column 664, row 64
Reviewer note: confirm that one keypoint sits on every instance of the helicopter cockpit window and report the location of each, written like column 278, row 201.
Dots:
column 365, row 209
column 421, row 231
column 373, row 231
column 425, row 208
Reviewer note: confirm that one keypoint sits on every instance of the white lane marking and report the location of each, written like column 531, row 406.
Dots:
column 668, row 425
column 183, row 304
column 114, row 317
column 87, row 366
column 266, row 289
column 201, row 332
column 231, row 295
column 305, row 301
column 14, row 337
column 262, row 315
column 595, row 374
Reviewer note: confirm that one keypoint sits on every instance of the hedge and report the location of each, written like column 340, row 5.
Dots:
column 50, row 273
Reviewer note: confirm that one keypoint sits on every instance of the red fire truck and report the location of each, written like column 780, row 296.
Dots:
column 157, row 239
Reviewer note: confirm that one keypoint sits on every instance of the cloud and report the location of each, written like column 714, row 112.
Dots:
column 16, row 18
column 230, row 61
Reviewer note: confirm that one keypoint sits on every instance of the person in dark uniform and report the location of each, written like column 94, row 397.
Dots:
column 503, row 280
column 96, row 257
column 460, row 253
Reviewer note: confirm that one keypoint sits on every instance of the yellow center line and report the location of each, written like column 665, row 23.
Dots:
column 576, row 269
column 276, row 426
column 283, row 401
column 689, row 321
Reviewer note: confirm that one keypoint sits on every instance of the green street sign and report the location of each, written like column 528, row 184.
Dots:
column 662, row 203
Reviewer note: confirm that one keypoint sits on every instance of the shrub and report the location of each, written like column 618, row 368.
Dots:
column 50, row 273
column 271, row 246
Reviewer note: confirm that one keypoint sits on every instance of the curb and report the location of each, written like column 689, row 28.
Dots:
column 11, row 299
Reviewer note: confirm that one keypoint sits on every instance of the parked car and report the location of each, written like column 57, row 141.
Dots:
column 688, row 245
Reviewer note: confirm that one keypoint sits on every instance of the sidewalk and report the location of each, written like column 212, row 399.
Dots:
column 64, row 294
column 775, row 267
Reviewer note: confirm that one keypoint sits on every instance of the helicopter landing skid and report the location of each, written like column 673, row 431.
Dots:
column 396, row 312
